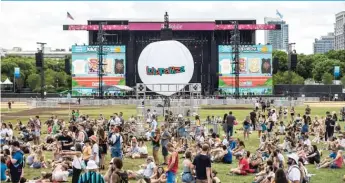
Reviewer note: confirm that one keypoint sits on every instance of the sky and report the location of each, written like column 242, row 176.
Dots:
column 25, row 23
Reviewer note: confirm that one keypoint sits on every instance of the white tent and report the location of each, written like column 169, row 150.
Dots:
column 124, row 87
column 7, row 82
column 0, row 82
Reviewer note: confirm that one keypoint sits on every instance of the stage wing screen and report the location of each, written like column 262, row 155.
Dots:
column 85, row 69
column 255, row 64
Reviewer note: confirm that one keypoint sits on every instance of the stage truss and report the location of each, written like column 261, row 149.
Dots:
column 185, row 101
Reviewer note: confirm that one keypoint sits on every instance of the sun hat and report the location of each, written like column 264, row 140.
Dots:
column 294, row 156
column 93, row 138
column 91, row 165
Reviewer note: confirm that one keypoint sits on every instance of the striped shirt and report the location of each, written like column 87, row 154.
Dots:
column 91, row 177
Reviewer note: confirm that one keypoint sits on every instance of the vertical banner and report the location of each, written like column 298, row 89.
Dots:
column 17, row 72
column 336, row 71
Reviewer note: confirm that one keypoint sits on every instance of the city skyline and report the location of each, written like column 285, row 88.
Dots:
column 29, row 22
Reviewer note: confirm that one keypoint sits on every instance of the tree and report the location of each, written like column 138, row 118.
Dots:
column 336, row 54
column 287, row 77
column 326, row 66
column 327, row 78
column 34, row 82
column 343, row 81
column 305, row 66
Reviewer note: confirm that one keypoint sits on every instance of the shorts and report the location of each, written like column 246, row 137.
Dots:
column 187, row 177
column 116, row 153
column 334, row 166
column 171, row 177
column 164, row 151
column 104, row 148
column 246, row 128
column 37, row 133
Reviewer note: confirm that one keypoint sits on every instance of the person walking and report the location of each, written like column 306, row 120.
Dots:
column 202, row 166
column 165, row 137
column 172, row 164
column 253, row 119
column 230, row 120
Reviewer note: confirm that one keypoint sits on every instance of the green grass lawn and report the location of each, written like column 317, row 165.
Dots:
column 321, row 176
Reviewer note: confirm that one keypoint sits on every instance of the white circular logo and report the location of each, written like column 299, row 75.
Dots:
column 165, row 62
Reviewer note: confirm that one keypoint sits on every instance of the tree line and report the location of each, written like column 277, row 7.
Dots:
column 316, row 67
column 56, row 79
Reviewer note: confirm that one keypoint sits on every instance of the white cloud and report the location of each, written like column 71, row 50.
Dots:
column 25, row 23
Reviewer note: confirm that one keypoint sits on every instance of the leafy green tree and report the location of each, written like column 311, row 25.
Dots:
column 327, row 78
column 343, row 81
column 287, row 77
column 336, row 54
column 34, row 82
column 305, row 66
column 325, row 66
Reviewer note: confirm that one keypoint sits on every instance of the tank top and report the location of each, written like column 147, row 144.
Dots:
column 175, row 167
column 339, row 162
column 186, row 169
column 154, row 143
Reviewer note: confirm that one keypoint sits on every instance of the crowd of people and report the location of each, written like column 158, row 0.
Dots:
column 80, row 147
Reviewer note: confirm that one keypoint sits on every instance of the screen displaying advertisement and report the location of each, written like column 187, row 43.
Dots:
column 255, row 68
column 85, row 69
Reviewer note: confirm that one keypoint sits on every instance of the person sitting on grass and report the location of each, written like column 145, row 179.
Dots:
column 39, row 160
column 243, row 166
column 336, row 163
column 145, row 172
column 142, row 150
column 240, row 149
column 159, row 176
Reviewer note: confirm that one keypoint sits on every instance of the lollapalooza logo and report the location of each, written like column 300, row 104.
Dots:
column 161, row 71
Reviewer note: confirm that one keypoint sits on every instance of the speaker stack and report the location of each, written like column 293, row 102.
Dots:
column 292, row 60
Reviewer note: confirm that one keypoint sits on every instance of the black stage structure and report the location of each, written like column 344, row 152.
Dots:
column 202, row 43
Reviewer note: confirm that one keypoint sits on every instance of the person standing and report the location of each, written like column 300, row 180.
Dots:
column 9, row 105
column 165, row 137
column 155, row 144
column 92, row 175
column 202, row 166
column 172, row 164
column 115, row 142
column 95, row 149
column 230, row 120
column 37, row 127
column 253, row 119
column 328, row 126
column 16, row 162
column 246, row 128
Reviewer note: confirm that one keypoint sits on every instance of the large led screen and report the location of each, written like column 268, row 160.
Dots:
column 85, row 81
column 255, row 65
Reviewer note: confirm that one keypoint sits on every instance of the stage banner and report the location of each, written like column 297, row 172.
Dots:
column 255, row 69
column 85, row 81
column 17, row 72
column 336, row 71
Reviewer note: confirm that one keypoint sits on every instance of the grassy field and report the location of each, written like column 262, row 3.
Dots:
column 321, row 176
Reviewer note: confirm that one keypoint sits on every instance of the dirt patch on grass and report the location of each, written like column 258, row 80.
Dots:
column 31, row 113
column 227, row 108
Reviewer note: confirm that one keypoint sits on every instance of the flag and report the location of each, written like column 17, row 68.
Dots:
column 278, row 13
column 69, row 16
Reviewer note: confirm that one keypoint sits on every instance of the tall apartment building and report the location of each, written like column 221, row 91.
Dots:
column 339, row 31
column 279, row 39
column 324, row 44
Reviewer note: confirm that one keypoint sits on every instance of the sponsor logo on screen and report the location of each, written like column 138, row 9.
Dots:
column 160, row 71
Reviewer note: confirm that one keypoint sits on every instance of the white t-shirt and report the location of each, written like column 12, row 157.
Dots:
column 225, row 66
column 60, row 176
column 3, row 133
column 282, row 129
column 115, row 136
column 117, row 120
column 281, row 157
column 274, row 117
column 77, row 162
column 154, row 125
column 148, row 172
column 307, row 142
column 95, row 152
column 342, row 142
column 225, row 142
column 10, row 134
column 143, row 150
column 294, row 173
column 148, row 135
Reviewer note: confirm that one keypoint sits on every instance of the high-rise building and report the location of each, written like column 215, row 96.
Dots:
column 339, row 31
column 324, row 44
column 279, row 39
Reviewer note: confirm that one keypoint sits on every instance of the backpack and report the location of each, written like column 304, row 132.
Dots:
column 123, row 176
column 86, row 137
column 304, row 178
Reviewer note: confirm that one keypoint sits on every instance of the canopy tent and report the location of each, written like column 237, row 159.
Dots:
column 123, row 88
column 7, row 82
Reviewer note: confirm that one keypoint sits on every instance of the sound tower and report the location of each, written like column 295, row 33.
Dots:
column 67, row 66
column 292, row 61
column 131, row 65
column 275, row 65
column 166, row 32
column 39, row 58
column 214, row 78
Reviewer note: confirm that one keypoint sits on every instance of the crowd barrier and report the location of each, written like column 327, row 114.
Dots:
column 49, row 103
